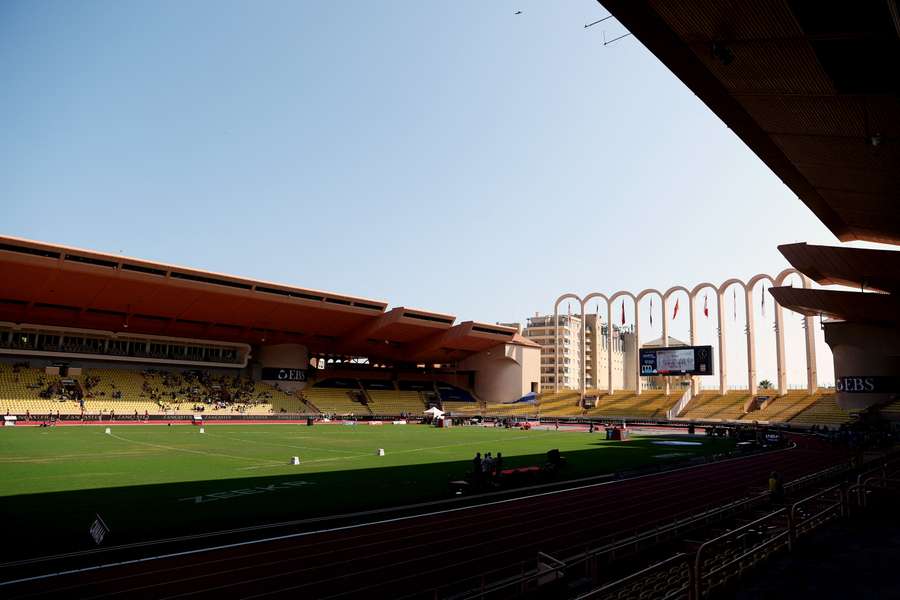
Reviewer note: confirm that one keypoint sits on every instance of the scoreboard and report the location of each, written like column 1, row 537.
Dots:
column 681, row 360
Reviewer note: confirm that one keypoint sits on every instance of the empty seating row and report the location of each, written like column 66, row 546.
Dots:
column 711, row 405
column 649, row 404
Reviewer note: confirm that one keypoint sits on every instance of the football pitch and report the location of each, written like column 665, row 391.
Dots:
column 153, row 481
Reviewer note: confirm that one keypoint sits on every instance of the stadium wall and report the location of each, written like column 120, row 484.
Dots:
column 866, row 363
column 282, row 356
column 506, row 372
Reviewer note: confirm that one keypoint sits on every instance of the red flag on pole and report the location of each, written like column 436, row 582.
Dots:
column 764, row 299
column 734, row 303
column 706, row 306
column 675, row 314
column 623, row 311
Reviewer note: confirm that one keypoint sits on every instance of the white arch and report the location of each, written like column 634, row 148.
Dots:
column 584, row 304
column 665, row 308
column 612, row 299
column 721, row 334
column 782, row 277
column 556, row 358
column 637, row 331
column 809, row 324
column 752, row 378
column 759, row 277
column 748, row 331
column 692, row 295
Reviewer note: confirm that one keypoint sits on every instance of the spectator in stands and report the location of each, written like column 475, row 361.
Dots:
column 498, row 463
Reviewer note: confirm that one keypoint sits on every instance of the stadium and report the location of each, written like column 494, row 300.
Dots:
column 171, row 431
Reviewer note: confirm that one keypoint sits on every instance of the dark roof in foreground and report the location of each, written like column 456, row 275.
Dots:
column 813, row 88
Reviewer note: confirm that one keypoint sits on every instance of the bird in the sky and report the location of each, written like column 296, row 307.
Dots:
column 518, row 12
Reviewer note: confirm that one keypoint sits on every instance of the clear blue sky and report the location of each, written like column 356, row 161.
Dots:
column 445, row 155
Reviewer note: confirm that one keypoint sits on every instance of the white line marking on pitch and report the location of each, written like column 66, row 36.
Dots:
column 225, row 437
column 177, row 449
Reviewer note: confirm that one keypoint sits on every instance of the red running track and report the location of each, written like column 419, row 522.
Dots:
column 409, row 557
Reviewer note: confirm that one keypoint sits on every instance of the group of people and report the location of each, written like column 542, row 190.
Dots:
column 203, row 389
column 485, row 470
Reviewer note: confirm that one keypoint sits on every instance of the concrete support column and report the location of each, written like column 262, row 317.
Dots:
column 779, row 350
column 583, row 352
column 812, row 375
column 751, row 341
column 637, row 346
column 609, row 349
column 556, row 347
column 695, row 381
column 723, row 369
column 665, row 336
column 809, row 326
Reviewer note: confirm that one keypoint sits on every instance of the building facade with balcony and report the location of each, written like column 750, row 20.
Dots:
column 579, row 367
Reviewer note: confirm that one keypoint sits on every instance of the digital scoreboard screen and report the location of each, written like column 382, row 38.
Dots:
column 683, row 360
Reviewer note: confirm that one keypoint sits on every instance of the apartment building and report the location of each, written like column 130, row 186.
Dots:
column 568, row 363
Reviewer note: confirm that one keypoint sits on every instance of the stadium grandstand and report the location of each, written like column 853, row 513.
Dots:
column 89, row 333
column 85, row 333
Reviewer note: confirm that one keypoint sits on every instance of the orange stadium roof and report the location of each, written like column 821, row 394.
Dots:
column 46, row 284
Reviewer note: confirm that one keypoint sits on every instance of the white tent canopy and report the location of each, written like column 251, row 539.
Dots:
column 435, row 412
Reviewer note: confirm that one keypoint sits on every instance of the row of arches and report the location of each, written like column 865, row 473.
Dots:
column 692, row 295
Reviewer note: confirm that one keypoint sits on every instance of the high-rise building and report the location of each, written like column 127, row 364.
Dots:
column 568, row 363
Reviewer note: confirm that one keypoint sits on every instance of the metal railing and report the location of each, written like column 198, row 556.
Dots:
column 746, row 546
column 738, row 550
column 816, row 510
column 726, row 557
column 682, row 403
column 670, row 578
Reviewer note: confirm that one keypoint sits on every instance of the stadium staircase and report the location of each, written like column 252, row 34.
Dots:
column 336, row 400
column 780, row 409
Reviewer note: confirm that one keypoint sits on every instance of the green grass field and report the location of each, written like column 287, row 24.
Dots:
column 154, row 481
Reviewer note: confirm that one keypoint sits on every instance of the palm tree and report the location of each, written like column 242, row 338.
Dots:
column 765, row 384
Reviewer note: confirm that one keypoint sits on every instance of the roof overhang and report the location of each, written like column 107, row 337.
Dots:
column 853, row 267
column 56, row 285
column 811, row 87
column 857, row 307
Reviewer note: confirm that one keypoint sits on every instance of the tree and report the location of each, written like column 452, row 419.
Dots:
column 765, row 384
